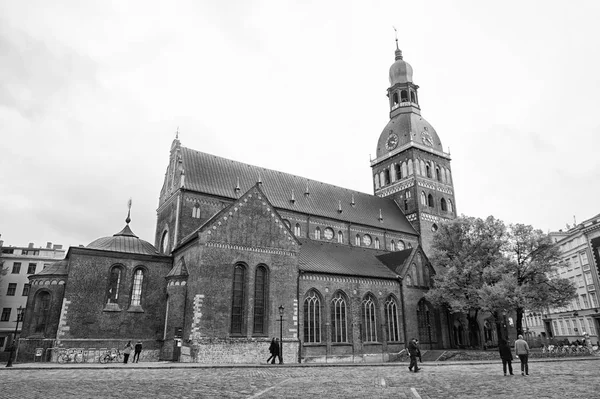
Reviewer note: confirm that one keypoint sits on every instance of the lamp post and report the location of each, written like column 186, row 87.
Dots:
column 281, row 309
column 20, row 312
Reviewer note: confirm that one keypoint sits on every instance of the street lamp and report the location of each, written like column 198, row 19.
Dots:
column 20, row 312
column 281, row 309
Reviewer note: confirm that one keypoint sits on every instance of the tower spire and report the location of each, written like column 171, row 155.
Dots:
column 398, row 51
column 128, row 212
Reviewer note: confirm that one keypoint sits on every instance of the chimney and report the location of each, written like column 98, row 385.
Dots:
column 58, row 246
column 30, row 245
column 48, row 245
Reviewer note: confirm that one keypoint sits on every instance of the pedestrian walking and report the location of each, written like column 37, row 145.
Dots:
column 522, row 352
column 414, row 352
column 274, row 350
column 127, row 352
column 505, row 355
column 138, row 351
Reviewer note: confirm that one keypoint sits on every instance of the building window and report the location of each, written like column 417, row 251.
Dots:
column 430, row 200
column 376, row 243
column 340, row 237
column 164, row 242
column 449, row 206
column 2, row 340
column 593, row 299
column 339, row 332
column 391, row 320
column 588, row 278
column 16, row 269
column 196, row 211
column 591, row 329
column 409, row 281
column 8, row 251
column 31, row 268
column 401, row 246
column 398, row 168
column 357, row 240
column 428, row 169
column 12, row 288
column 312, row 318
column 377, row 181
column 438, row 175
column 584, row 258
column 30, row 252
column 317, row 233
column 423, row 198
column 297, row 230
column 5, row 314
column 386, row 176
column 369, row 320
column 443, row 205
column 425, row 322
column 392, row 246
column 26, row 288
column 136, row 291
column 260, row 300
column 41, row 311
column 237, row 300
column 114, row 285
column 586, row 303
column 366, row 240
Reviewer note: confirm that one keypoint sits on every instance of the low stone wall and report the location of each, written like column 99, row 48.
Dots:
column 237, row 351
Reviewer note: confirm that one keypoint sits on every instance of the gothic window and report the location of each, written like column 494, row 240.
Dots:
column 164, row 242
column 409, row 245
column 444, row 175
column 386, row 176
column 196, row 211
column 425, row 322
column 260, row 300
column 409, row 281
column 423, row 198
column 448, row 176
column 400, row 245
column 403, row 96
column 317, row 233
column 41, row 311
column 339, row 330
column 376, row 180
column 312, row 317
column 413, row 273
column 443, row 205
column 428, row 170
column 438, row 174
column 340, row 237
column 237, row 299
column 136, row 291
column 430, row 200
column 392, row 246
column 399, row 174
column 382, row 179
column 449, row 205
column 376, row 243
column 391, row 320
column 114, row 285
column 357, row 240
column 404, row 170
column 408, row 194
column 410, row 167
column 369, row 320
column 297, row 230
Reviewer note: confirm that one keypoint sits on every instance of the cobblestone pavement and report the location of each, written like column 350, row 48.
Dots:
column 574, row 379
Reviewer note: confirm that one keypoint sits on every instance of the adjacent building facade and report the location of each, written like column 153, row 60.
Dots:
column 20, row 263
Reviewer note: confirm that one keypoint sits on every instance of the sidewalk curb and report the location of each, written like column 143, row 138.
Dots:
column 170, row 365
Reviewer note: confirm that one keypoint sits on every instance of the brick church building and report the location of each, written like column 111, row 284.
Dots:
column 243, row 254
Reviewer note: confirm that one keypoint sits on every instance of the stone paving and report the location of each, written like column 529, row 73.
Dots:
column 556, row 379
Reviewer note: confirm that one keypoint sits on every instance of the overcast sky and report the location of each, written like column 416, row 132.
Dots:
column 92, row 92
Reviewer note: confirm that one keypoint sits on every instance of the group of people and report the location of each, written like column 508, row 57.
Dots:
column 522, row 352
column 274, row 349
column 137, row 350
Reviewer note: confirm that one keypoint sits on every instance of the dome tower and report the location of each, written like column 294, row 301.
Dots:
column 411, row 165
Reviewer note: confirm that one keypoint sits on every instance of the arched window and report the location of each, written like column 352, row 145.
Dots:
column 196, row 211
column 449, row 205
column 409, row 281
column 391, row 320
column 423, row 170
column 369, row 320
column 438, row 174
column 386, row 176
column 260, row 300
column 426, row 279
column 164, row 242
column 376, row 242
column 413, row 274
column 113, row 292
column 404, row 170
column 382, row 178
column 403, row 96
column 430, row 200
column 357, row 240
column 317, row 233
column 238, row 298
column 399, row 174
column 41, row 311
column 376, row 180
column 340, row 237
column 448, row 176
column 410, row 167
column 339, row 330
column 423, row 198
column 444, row 175
column 428, row 170
column 392, row 246
column 413, row 97
column 401, row 246
column 425, row 321
column 312, row 317
column 136, row 290
column 443, row 205
column 297, row 230
column 395, row 99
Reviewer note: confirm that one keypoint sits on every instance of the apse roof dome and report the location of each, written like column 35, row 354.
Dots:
column 124, row 241
column 400, row 71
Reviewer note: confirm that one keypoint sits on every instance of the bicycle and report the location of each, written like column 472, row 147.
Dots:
column 111, row 356
column 70, row 355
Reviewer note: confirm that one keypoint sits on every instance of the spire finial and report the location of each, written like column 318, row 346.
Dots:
column 128, row 212
column 177, row 131
column 398, row 51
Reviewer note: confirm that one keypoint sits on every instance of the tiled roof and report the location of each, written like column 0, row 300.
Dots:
column 395, row 260
column 214, row 175
column 56, row 268
column 179, row 269
column 324, row 257
column 124, row 241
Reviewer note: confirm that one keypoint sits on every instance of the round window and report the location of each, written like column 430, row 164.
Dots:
column 367, row 240
column 328, row 233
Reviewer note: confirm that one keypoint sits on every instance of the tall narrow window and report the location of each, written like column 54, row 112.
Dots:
column 317, row 233
column 423, row 198
column 430, row 200
column 377, row 180
column 443, row 205
column 312, row 318
column 5, row 314
column 391, row 320
column 136, row 291
column 164, row 242
column 196, row 211
column 297, row 230
column 438, row 174
column 369, row 320
column 340, row 237
column 376, row 242
column 41, row 311
column 399, row 174
column 237, row 300
column 425, row 322
column 428, row 170
column 449, row 206
column 357, row 240
column 386, row 176
column 114, row 285
column 260, row 300
column 26, row 288
column 339, row 331
column 392, row 246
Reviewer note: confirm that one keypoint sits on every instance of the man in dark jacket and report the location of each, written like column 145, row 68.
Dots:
column 505, row 355
column 414, row 352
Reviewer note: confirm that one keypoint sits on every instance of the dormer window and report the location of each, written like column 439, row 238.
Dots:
column 196, row 211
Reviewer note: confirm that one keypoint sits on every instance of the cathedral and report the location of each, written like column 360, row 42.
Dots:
column 243, row 254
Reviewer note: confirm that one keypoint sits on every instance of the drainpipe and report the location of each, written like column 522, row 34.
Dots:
column 399, row 278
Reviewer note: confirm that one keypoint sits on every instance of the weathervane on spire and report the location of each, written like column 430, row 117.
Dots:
column 396, row 34
column 128, row 212
column 177, row 132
